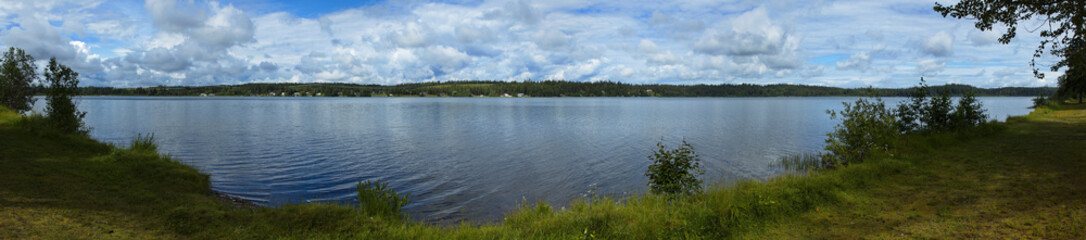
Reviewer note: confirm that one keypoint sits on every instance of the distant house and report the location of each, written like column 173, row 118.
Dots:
column 271, row 94
column 320, row 94
column 283, row 94
column 203, row 94
column 297, row 94
column 210, row 94
column 520, row 94
column 506, row 95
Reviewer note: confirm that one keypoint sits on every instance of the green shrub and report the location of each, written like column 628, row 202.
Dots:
column 909, row 111
column 674, row 171
column 968, row 113
column 1039, row 101
column 920, row 113
column 376, row 198
column 936, row 115
column 866, row 127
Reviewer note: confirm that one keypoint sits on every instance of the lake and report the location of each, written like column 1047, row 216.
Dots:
column 466, row 158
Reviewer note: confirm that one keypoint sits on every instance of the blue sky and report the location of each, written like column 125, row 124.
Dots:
column 891, row 43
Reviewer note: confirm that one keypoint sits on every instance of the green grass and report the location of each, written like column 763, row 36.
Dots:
column 1022, row 179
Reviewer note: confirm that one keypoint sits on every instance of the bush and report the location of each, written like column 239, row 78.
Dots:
column 674, row 171
column 936, row 114
column 909, row 111
column 968, row 113
column 866, row 127
column 376, row 198
column 1039, row 101
column 63, row 85
column 920, row 113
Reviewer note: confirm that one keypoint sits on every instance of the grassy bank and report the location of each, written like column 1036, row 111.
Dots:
column 1022, row 179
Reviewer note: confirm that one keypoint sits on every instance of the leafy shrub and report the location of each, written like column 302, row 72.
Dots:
column 968, row 113
column 920, row 113
column 936, row 115
column 674, row 171
column 376, row 198
column 1039, row 101
column 866, row 127
column 910, row 110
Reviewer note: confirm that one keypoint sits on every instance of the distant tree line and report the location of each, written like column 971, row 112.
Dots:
column 549, row 88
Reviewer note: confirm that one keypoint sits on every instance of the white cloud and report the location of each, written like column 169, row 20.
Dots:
column 551, row 39
column 859, row 62
column 930, row 67
column 983, row 38
column 412, row 35
column 939, row 44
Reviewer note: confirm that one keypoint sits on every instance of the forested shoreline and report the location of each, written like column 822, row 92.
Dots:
column 543, row 89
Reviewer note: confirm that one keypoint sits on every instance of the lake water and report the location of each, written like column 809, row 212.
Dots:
column 466, row 158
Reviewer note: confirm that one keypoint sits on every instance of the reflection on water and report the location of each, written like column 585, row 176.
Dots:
column 465, row 158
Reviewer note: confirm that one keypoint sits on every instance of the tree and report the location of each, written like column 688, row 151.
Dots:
column 1063, row 35
column 17, row 74
column 674, row 171
column 1072, row 84
column 63, row 84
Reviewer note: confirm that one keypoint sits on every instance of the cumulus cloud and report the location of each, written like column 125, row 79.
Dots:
column 930, row 67
column 756, row 46
column 192, row 44
column 750, row 34
column 444, row 59
column 939, row 44
column 268, row 67
column 40, row 39
column 412, row 35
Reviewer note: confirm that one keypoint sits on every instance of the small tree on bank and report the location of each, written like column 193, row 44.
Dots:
column 674, row 171
column 866, row 127
column 63, row 85
column 17, row 74
column 968, row 113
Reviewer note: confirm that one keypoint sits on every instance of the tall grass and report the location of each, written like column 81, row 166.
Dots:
column 143, row 143
column 805, row 162
column 376, row 198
